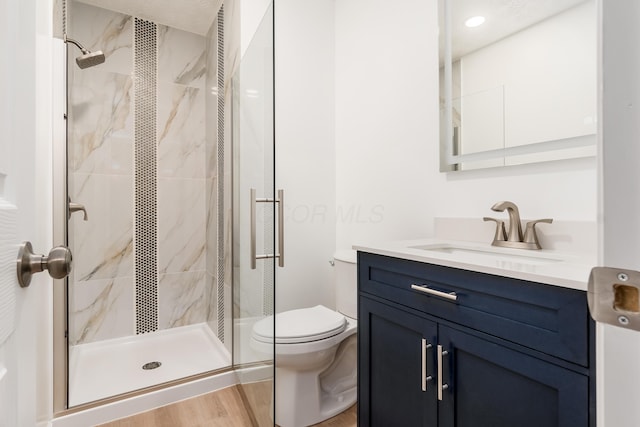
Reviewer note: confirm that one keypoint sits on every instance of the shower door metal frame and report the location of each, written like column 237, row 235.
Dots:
column 60, row 321
column 60, row 223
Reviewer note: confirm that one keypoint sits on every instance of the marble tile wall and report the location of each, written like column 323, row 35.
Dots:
column 101, row 172
column 181, row 178
column 100, row 115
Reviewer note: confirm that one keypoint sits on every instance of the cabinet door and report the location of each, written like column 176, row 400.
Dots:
column 494, row 386
column 391, row 367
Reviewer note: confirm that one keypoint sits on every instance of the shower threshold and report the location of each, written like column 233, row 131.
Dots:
column 112, row 367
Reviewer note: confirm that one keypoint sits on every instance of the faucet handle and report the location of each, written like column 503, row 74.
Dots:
column 501, row 231
column 530, row 234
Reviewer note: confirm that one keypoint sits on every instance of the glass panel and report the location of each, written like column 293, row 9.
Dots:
column 254, row 235
column 146, row 298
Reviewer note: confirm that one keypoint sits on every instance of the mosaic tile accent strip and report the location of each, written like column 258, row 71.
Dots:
column 220, row 177
column 146, row 176
column 64, row 17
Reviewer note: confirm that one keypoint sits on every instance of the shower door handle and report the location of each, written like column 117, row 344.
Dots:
column 280, row 202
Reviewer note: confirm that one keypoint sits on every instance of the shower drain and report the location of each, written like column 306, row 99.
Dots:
column 151, row 365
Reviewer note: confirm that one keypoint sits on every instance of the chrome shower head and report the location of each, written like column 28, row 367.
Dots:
column 88, row 58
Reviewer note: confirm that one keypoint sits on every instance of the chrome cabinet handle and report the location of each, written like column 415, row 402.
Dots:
column 254, row 202
column 441, row 385
column 447, row 295
column 58, row 263
column 425, row 377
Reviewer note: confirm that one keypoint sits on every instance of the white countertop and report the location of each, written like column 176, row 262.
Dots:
column 542, row 266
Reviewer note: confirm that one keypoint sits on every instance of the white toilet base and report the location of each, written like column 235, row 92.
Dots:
column 306, row 397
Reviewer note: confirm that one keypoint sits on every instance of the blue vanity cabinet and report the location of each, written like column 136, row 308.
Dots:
column 491, row 385
column 391, row 367
column 496, row 365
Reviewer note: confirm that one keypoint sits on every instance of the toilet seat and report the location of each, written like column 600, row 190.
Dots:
column 300, row 326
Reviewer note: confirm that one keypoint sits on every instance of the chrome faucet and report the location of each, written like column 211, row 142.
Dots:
column 514, row 238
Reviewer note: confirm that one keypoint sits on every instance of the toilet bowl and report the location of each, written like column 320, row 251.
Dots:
column 315, row 353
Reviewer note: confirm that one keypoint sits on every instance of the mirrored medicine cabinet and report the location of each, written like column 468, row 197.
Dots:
column 517, row 81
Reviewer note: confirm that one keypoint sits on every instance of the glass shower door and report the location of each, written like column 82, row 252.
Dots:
column 255, row 210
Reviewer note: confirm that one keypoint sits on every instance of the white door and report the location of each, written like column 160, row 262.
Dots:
column 24, row 200
column 618, row 358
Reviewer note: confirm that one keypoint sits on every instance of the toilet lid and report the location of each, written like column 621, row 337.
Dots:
column 298, row 326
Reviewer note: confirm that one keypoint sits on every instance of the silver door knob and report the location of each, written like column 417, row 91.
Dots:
column 58, row 263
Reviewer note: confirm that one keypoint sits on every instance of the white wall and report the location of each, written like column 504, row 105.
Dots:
column 386, row 118
column 305, row 150
column 387, row 136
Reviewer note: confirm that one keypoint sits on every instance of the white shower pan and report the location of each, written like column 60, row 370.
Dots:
column 109, row 368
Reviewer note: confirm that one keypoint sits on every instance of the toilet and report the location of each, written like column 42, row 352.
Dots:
column 315, row 353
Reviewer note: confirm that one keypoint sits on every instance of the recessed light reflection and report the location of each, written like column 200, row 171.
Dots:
column 474, row 21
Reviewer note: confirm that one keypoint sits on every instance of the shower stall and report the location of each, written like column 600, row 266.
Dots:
column 167, row 136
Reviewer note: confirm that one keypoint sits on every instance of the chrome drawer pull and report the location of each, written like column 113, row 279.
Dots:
column 441, row 385
column 448, row 295
column 425, row 378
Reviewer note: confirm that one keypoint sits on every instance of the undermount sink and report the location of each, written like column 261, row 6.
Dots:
column 489, row 255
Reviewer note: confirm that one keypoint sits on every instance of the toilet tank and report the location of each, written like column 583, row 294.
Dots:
column 346, row 282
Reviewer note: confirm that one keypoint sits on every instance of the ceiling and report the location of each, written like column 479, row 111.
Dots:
column 503, row 18
column 194, row 16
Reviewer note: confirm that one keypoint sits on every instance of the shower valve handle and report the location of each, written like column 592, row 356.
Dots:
column 75, row 207
column 58, row 263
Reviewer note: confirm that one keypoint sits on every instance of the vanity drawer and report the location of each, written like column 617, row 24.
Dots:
column 550, row 319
